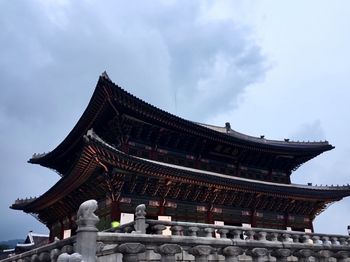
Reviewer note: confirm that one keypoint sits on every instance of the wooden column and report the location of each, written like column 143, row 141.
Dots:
column 161, row 210
column 72, row 225
column 51, row 234
column 286, row 215
column 115, row 210
column 253, row 218
column 210, row 219
column 311, row 226
column 61, row 229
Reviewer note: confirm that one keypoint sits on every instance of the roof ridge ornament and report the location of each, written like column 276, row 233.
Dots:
column 38, row 155
column 228, row 127
column 105, row 75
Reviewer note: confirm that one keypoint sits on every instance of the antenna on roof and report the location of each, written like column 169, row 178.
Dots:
column 105, row 76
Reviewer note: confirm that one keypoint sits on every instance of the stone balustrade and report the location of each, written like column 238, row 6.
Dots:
column 143, row 240
column 46, row 253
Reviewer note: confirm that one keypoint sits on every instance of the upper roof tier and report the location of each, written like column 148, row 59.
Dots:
column 119, row 117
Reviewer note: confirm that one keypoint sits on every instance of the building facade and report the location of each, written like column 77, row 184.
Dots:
column 124, row 152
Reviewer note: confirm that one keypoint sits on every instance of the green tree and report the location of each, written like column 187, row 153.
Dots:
column 3, row 247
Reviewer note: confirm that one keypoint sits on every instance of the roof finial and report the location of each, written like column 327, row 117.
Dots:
column 228, row 126
column 105, row 76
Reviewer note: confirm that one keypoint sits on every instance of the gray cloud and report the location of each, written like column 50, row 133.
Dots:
column 309, row 132
column 51, row 54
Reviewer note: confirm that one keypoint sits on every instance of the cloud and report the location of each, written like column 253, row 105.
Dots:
column 167, row 53
column 309, row 132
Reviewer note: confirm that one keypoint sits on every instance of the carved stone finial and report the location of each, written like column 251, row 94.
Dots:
column 85, row 215
column 140, row 211
column 87, row 231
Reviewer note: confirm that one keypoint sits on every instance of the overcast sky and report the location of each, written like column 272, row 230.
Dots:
column 278, row 68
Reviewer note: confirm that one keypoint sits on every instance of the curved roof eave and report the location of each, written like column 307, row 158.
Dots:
column 69, row 182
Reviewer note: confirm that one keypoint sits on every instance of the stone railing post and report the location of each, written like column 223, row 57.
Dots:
column 208, row 231
column 250, row 234
column 168, row 251
column 177, row 230
column 342, row 241
column 334, row 240
column 192, row 231
column 54, row 254
column 295, row 238
column 140, row 219
column 315, row 240
column 44, row 257
column 34, row 258
column 286, row 238
column 261, row 236
column 236, row 233
column 305, row 239
column 159, row 229
column 231, row 253
column 323, row 255
column 258, row 254
column 201, row 252
column 87, row 231
column 281, row 254
column 304, row 255
column 223, row 232
column 342, row 256
column 325, row 241
column 130, row 251
column 273, row 236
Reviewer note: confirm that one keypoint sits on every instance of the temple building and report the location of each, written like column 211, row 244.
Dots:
column 124, row 152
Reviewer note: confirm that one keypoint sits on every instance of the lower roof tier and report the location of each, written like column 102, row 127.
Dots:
column 103, row 172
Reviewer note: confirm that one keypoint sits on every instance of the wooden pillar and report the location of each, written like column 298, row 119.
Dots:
column 115, row 211
column 61, row 229
column 72, row 225
column 210, row 219
column 270, row 175
column 51, row 234
column 286, row 215
column 253, row 218
column 238, row 169
column 161, row 210
column 311, row 226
